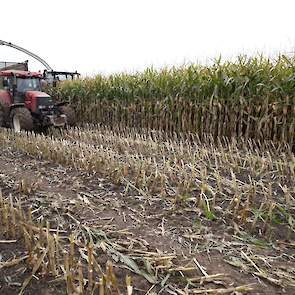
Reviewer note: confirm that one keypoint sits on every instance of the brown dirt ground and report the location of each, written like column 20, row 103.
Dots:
column 65, row 196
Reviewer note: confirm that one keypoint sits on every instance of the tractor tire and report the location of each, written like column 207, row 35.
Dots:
column 21, row 119
column 2, row 116
column 70, row 113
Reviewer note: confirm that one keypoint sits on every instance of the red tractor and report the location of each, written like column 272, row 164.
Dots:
column 23, row 105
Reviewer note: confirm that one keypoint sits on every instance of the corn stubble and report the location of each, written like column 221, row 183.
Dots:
column 50, row 254
column 246, row 184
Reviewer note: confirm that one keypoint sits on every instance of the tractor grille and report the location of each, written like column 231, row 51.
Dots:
column 44, row 103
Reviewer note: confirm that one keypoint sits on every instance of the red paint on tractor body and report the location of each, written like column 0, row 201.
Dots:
column 20, row 74
column 31, row 99
column 5, row 97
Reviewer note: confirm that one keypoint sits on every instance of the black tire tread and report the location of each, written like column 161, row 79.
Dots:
column 2, row 116
column 25, row 117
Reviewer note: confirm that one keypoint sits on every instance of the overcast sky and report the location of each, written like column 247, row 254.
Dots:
column 107, row 36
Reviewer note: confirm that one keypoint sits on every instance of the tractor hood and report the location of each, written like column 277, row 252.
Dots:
column 34, row 94
column 37, row 100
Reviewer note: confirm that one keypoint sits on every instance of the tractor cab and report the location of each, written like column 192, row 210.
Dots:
column 19, row 83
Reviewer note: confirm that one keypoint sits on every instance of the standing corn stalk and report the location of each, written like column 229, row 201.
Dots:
column 251, row 97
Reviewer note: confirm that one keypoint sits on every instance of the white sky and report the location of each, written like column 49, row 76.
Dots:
column 106, row 36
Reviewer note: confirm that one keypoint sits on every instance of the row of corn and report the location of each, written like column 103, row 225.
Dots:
column 49, row 253
column 251, row 97
column 200, row 175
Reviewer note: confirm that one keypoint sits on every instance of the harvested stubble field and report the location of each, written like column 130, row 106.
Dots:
column 98, row 211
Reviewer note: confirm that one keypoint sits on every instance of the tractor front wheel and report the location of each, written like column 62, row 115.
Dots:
column 21, row 119
column 70, row 114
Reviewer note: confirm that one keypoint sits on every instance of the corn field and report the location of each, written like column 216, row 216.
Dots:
column 252, row 97
column 179, row 181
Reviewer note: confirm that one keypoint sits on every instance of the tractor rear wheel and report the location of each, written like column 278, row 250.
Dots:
column 21, row 119
column 2, row 116
column 70, row 114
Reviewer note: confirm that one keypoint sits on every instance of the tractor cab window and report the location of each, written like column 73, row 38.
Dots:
column 25, row 84
column 4, row 83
